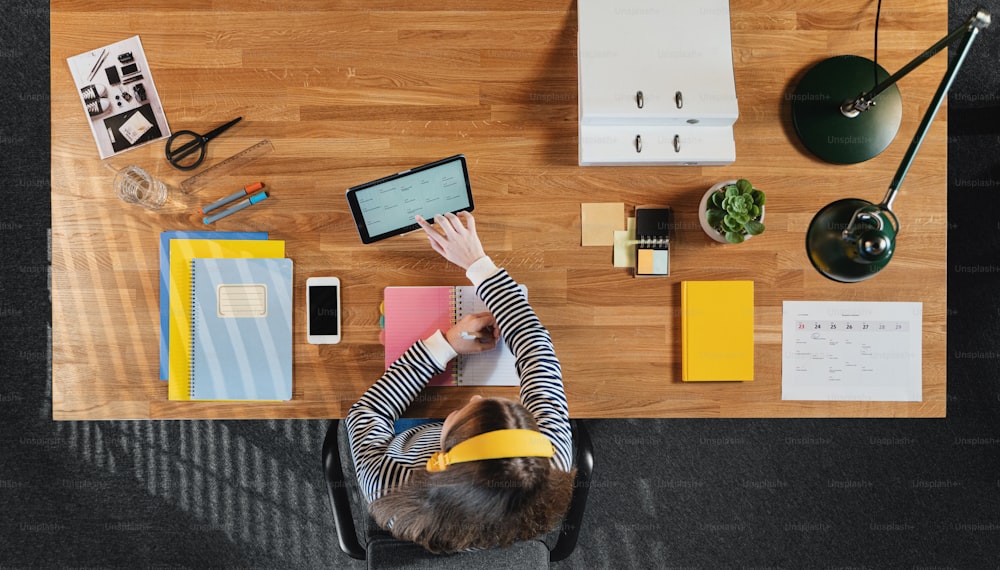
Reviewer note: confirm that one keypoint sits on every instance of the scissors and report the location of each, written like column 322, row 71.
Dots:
column 181, row 146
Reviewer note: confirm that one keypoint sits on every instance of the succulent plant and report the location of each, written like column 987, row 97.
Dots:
column 735, row 211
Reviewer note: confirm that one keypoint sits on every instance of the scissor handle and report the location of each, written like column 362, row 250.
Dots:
column 176, row 155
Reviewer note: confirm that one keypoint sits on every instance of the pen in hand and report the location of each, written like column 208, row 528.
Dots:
column 473, row 333
column 485, row 335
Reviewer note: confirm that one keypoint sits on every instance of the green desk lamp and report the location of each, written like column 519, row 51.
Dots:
column 852, row 239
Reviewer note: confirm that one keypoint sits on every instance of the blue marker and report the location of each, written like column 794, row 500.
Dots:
column 259, row 197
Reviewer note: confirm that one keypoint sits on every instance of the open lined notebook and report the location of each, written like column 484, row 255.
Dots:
column 414, row 313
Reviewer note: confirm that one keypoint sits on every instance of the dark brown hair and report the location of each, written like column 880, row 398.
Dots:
column 479, row 504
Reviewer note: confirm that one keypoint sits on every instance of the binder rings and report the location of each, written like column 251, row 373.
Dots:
column 182, row 251
column 241, row 329
column 414, row 313
column 716, row 330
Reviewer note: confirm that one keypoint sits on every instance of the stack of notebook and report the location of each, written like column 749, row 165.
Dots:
column 225, row 316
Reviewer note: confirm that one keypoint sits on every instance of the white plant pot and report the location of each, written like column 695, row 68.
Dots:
column 703, row 206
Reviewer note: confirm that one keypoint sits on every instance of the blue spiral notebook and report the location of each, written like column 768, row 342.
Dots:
column 241, row 329
column 165, row 238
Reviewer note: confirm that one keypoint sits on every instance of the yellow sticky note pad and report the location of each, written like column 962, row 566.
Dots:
column 600, row 221
column 652, row 262
column 624, row 252
column 644, row 262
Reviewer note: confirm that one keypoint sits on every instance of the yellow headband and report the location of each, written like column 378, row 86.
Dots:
column 499, row 444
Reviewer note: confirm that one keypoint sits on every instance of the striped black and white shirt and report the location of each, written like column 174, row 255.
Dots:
column 384, row 460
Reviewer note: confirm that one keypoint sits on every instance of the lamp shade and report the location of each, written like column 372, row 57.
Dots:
column 851, row 240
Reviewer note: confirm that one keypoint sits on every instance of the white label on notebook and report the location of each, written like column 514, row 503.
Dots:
column 242, row 301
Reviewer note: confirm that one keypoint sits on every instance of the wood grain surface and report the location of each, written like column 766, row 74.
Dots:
column 352, row 91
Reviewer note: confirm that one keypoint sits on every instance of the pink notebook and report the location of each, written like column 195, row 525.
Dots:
column 414, row 313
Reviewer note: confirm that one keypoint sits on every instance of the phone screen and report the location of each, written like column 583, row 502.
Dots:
column 323, row 310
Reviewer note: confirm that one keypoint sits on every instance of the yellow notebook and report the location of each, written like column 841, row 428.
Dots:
column 716, row 330
column 182, row 251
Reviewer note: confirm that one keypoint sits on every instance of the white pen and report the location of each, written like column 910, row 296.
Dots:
column 260, row 196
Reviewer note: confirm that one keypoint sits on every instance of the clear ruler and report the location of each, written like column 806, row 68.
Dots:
column 225, row 167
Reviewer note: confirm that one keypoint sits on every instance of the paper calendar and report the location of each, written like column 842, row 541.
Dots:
column 860, row 351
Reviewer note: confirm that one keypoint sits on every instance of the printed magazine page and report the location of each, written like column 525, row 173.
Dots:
column 119, row 97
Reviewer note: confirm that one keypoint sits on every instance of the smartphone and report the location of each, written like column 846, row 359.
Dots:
column 323, row 310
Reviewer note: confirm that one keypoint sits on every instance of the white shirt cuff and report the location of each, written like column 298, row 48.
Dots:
column 482, row 269
column 441, row 351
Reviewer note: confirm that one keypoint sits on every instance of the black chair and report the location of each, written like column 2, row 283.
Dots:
column 381, row 550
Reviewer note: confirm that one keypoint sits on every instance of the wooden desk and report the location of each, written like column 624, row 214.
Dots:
column 352, row 93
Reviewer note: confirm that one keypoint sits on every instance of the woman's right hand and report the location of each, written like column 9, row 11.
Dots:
column 456, row 242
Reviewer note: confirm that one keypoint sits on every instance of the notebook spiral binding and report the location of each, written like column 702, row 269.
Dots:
column 648, row 242
column 456, row 314
column 194, row 329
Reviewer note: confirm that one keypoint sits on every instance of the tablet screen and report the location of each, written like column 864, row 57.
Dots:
column 386, row 207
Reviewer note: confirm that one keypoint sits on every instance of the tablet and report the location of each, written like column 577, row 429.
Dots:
column 386, row 207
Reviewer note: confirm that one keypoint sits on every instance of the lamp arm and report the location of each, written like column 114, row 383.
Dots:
column 966, row 26
column 979, row 20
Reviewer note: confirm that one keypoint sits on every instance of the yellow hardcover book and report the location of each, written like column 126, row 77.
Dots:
column 182, row 251
column 716, row 331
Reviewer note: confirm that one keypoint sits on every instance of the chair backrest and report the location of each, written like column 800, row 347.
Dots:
column 339, row 488
column 391, row 553
column 383, row 551
column 583, row 461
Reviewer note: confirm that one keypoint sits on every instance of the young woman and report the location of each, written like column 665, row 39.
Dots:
column 484, row 477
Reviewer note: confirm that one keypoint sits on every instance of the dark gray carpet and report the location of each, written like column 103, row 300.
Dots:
column 666, row 494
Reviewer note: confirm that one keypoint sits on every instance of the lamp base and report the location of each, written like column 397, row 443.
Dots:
column 850, row 261
column 825, row 130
